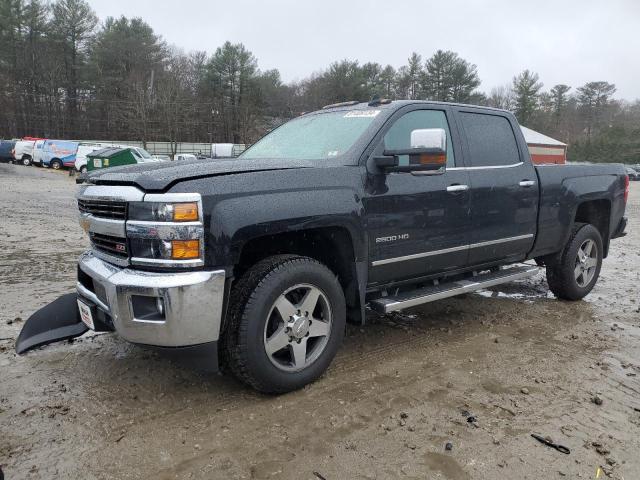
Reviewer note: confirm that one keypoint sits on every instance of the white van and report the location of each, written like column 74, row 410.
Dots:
column 38, row 152
column 81, row 155
column 23, row 151
column 142, row 156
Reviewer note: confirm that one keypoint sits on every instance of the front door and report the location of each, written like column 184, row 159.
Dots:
column 417, row 223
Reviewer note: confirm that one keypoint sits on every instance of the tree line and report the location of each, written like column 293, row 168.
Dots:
column 63, row 74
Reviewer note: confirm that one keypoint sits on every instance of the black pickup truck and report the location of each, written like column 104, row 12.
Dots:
column 258, row 262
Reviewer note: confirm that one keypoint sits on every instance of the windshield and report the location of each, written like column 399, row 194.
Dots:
column 314, row 137
column 144, row 153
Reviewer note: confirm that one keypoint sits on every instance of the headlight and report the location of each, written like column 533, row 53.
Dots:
column 165, row 249
column 164, row 212
column 166, row 230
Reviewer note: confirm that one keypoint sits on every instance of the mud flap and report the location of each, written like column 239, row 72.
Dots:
column 59, row 320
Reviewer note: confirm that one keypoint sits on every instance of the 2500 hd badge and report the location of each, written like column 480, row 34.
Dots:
column 393, row 238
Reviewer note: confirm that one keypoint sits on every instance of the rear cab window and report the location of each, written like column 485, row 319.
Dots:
column 490, row 138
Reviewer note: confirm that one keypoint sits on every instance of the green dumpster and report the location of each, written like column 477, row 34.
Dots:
column 110, row 157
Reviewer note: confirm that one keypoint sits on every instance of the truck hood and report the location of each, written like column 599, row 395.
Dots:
column 162, row 175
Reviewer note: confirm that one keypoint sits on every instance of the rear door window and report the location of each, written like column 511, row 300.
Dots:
column 490, row 139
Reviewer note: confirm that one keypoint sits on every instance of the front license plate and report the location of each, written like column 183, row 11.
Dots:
column 86, row 315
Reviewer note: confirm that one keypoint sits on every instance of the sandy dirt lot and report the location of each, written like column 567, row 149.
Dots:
column 402, row 387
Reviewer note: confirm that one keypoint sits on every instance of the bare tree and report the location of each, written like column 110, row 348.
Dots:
column 501, row 97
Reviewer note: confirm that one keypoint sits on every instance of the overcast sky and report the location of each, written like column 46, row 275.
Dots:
column 565, row 41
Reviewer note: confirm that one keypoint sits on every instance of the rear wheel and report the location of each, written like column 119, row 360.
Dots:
column 574, row 273
column 26, row 160
column 287, row 320
column 56, row 164
column 83, row 169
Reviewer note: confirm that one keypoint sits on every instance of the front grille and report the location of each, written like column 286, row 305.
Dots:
column 115, row 246
column 104, row 209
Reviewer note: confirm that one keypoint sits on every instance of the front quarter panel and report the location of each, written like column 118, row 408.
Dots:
column 241, row 207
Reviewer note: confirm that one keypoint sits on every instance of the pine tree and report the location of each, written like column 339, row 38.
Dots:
column 559, row 101
column 73, row 24
column 526, row 88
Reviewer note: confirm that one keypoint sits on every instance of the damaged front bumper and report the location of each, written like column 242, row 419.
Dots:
column 173, row 309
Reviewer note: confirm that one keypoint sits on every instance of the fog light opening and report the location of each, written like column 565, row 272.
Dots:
column 148, row 309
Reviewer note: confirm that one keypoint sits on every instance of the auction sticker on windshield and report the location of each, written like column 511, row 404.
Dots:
column 85, row 314
column 362, row 114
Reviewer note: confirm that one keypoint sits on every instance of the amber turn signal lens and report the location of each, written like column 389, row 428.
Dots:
column 433, row 159
column 185, row 249
column 185, row 212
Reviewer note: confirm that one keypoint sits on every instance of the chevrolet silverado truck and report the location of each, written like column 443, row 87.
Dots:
column 256, row 263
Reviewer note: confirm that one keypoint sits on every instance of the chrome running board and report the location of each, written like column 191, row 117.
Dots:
column 450, row 289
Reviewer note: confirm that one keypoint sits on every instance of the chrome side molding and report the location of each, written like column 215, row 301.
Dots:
column 450, row 250
column 488, row 167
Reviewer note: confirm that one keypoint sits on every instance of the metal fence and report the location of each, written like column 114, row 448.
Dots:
column 166, row 148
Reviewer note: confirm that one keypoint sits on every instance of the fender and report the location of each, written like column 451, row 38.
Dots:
column 239, row 208
column 561, row 198
column 271, row 214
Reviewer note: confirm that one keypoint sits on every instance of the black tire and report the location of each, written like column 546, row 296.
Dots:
column 561, row 275
column 83, row 169
column 55, row 164
column 251, row 303
column 26, row 161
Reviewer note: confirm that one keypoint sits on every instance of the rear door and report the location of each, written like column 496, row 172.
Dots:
column 417, row 224
column 38, row 151
column 504, row 187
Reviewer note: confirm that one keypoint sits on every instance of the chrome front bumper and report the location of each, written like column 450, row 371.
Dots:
column 192, row 302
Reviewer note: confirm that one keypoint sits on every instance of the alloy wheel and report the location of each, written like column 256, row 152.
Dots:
column 298, row 328
column 586, row 263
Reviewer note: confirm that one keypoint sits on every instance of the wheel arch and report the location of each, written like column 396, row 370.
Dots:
column 333, row 245
column 596, row 212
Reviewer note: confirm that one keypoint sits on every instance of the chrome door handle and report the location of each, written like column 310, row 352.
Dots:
column 527, row 183
column 457, row 188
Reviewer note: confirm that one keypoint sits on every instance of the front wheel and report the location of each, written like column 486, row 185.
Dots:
column 83, row 169
column 575, row 272
column 26, row 161
column 287, row 321
column 56, row 164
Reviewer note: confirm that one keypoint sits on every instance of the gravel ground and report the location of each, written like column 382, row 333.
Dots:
column 514, row 358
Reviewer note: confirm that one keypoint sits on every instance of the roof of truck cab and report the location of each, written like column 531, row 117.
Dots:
column 395, row 104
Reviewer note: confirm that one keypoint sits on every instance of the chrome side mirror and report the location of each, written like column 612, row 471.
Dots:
column 432, row 138
column 428, row 152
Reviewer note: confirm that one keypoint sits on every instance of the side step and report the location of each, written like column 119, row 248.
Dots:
column 450, row 289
